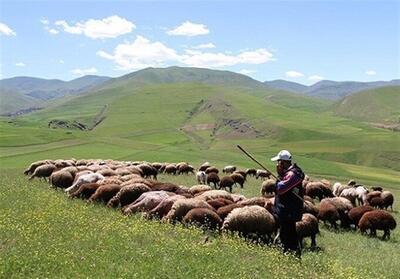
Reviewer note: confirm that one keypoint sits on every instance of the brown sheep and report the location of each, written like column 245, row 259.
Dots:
column 377, row 202
column 61, row 179
column 211, row 169
column 204, row 166
column 226, row 182
column 196, row 189
column 182, row 206
column 341, row 205
column 307, row 227
column 356, row 213
column 148, row 171
column 170, row 169
column 164, row 207
column 372, row 195
column 318, row 190
column 203, row 217
column 309, row 207
column 128, row 194
column 107, row 172
column 213, row 178
column 214, row 194
column 237, row 179
column 268, row 187
column 43, row 171
column 85, row 191
column 387, row 199
column 185, row 169
column 36, row 164
column 263, row 174
column 377, row 220
column 328, row 213
column 105, row 193
column 225, row 210
column 261, row 201
column 165, row 186
column 219, row 202
column 251, row 172
column 242, row 173
column 377, row 188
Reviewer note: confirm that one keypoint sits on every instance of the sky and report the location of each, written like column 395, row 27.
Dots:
column 300, row 41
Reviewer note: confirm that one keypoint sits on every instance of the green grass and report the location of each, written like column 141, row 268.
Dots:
column 145, row 123
column 45, row 234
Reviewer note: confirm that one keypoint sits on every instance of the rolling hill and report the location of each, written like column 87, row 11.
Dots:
column 381, row 105
column 162, row 114
column 328, row 89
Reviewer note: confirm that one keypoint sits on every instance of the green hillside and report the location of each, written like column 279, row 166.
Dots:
column 12, row 101
column 381, row 105
column 197, row 121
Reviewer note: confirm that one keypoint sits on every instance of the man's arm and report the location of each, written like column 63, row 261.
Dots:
column 288, row 182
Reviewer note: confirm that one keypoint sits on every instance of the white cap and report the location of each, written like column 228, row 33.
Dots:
column 282, row 155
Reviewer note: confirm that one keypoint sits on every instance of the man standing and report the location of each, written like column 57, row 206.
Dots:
column 288, row 200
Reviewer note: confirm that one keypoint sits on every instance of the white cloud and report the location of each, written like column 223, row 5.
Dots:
column 20, row 64
column 189, row 29
column 5, row 30
column 141, row 53
column 315, row 78
column 215, row 60
column 61, row 61
column 246, row 72
column 294, row 74
column 53, row 31
column 110, row 27
column 82, row 72
column 208, row 45
column 44, row 21
column 370, row 73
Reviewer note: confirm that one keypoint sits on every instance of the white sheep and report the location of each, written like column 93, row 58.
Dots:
column 201, row 177
column 229, row 169
column 86, row 178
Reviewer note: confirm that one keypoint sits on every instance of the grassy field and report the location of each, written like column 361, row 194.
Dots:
column 44, row 234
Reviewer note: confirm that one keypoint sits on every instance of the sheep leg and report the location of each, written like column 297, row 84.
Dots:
column 313, row 242
column 386, row 234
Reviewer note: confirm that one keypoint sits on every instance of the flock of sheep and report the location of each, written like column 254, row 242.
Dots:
column 133, row 187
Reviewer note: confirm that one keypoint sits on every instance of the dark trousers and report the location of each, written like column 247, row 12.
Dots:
column 288, row 237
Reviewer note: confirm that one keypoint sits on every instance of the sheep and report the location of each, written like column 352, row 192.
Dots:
column 110, row 180
column 213, row 178
column 377, row 188
column 387, row 199
column 214, row 194
column 86, row 178
column 128, row 194
column 361, row 194
column 203, row 217
column 318, row 190
column 32, row 167
column 350, row 194
column 309, row 207
column 377, row 202
column 164, row 207
column 204, row 166
column 263, row 174
column 72, row 170
column 225, row 210
column 373, row 194
column 198, row 189
column 166, row 186
column 261, row 201
column 237, row 197
column 228, row 169
column 148, row 171
column 377, row 220
column 268, row 187
column 185, row 169
column 251, row 172
column 105, row 193
column 43, row 171
column 211, row 169
column 146, row 202
column 249, row 221
column 170, row 169
column 226, row 182
column 338, row 188
column 219, row 202
column 307, row 227
column 182, row 206
column 333, row 209
column 61, row 179
column 201, row 177
column 238, row 179
column 356, row 213
column 85, row 191
column 108, row 172
column 135, row 170
column 242, row 173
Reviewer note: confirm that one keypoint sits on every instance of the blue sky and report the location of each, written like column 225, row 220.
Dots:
column 301, row 41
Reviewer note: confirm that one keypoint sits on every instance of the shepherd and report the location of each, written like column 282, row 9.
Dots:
column 288, row 200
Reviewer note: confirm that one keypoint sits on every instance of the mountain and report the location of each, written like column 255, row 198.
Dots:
column 328, row 89
column 286, row 85
column 379, row 106
column 46, row 89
